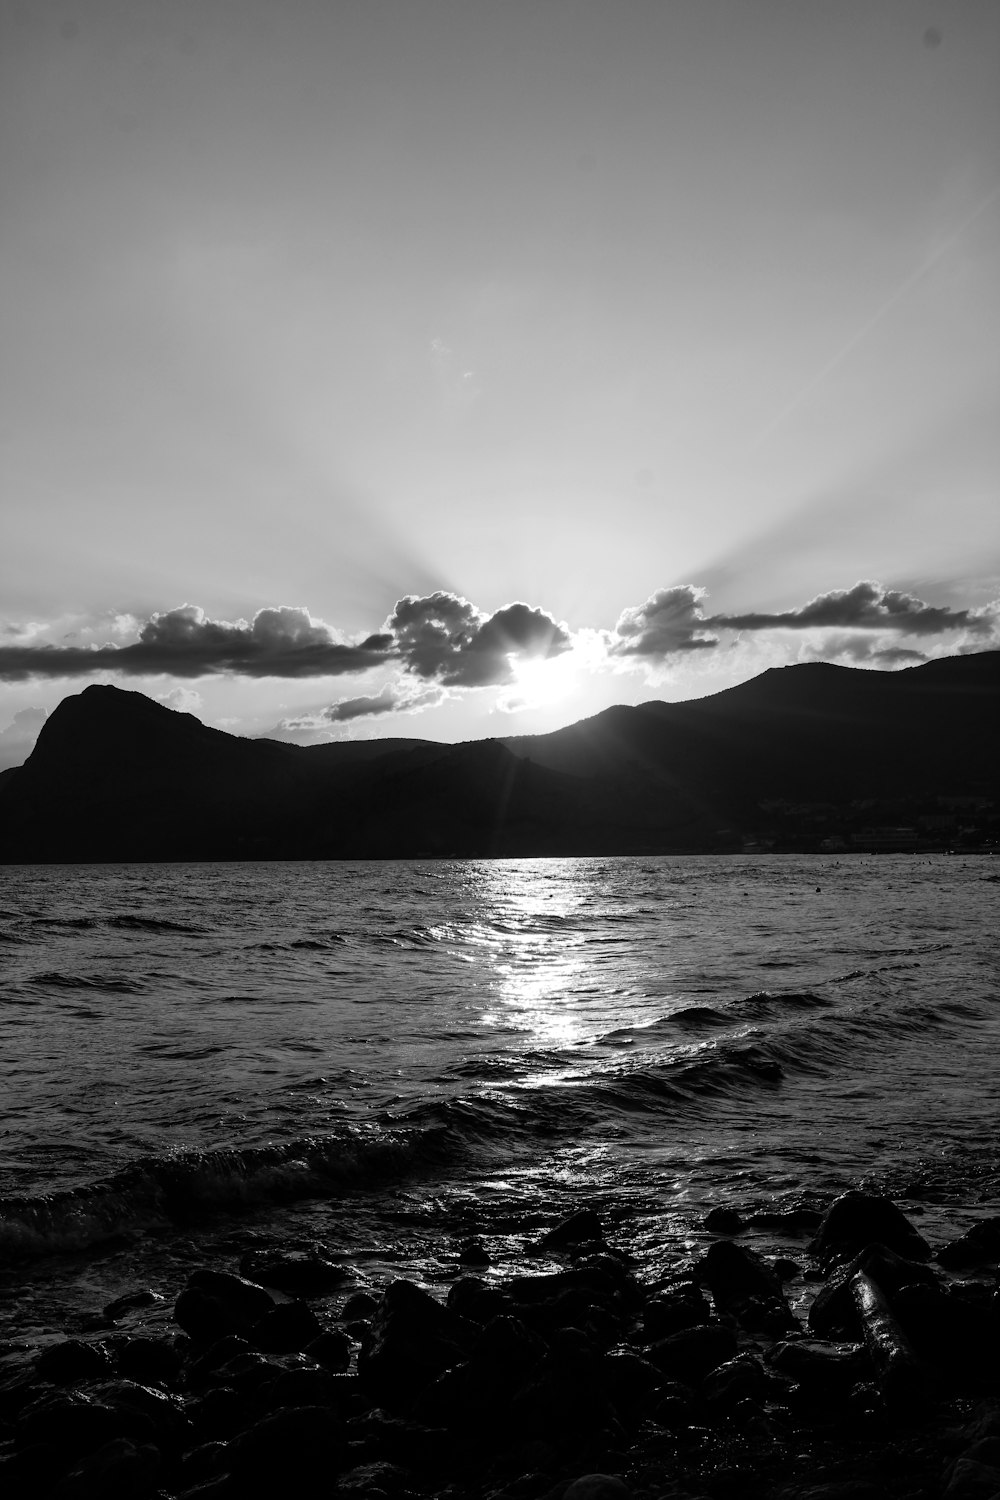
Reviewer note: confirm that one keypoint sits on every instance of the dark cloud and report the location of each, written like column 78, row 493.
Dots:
column 864, row 648
column 670, row 620
column 673, row 620
column 184, row 642
column 443, row 638
column 866, row 606
column 385, row 702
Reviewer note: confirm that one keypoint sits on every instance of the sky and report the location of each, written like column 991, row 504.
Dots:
column 457, row 368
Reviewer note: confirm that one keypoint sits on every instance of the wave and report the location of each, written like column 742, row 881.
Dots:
column 129, row 922
column 116, row 983
column 158, row 1193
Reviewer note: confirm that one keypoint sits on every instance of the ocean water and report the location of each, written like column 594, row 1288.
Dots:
column 387, row 1058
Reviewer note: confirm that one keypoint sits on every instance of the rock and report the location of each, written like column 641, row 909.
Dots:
column 469, row 1297
column 300, row 1387
column 579, row 1229
column 473, row 1253
column 131, row 1303
column 739, row 1379
column 301, row 1273
column 506, row 1351
column 597, row 1487
column 902, row 1379
column 214, row 1357
column 724, row 1221
column 693, row 1353
column 856, row 1220
column 76, row 1424
column 119, row 1470
column 379, row 1478
column 834, row 1315
column 971, row 1480
column 289, row 1450
column 360, row 1307
column 744, row 1285
column 631, row 1381
column 215, row 1304
column 414, row 1339
column 332, row 1350
column 979, row 1246
column 673, row 1310
column 148, row 1360
column 819, row 1367
column 286, row 1329
column 74, row 1360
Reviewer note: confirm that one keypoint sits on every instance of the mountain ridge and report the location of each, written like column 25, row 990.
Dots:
column 115, row 775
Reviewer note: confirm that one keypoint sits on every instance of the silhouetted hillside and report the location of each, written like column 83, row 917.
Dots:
column 797, row 755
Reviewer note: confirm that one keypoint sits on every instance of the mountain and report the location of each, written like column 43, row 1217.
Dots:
column 793, row 757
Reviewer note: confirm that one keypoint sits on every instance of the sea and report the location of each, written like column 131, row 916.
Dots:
column 388, row 1061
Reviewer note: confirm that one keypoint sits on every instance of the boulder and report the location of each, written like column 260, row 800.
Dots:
column 214, row 1304
column 745, row 1286
column 693, row 1353
column 332, row 1350
column 676, row 1308
column 414, row 1339
column 120, row 1470
column 289, row 1450
column 286, row 1329
column 597, row 1487
column 724, row 1221
column 301, row 1273
column 856, row 1220
column 74, row 1361
column 739, row 1379
column 979, row 1246
column 148, row 1360
column 583, row 1228
column 902, row 1378
column 824, row 1369
column 834, row 1314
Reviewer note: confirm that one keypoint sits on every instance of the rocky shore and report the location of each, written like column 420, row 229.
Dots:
column 578, row 1381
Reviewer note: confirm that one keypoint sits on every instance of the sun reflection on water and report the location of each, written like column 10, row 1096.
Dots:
column 533, row 940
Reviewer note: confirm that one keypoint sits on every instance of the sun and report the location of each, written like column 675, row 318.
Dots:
column 543, row 680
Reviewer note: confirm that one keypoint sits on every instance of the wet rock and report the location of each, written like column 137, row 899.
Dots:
column 507, row 1351
column 579, row 1229
column 74, row 1361
column 215, row 1303
column 301, row 1273
column 632, row 1382
column 360, row 1307
column 856, row 1220
column 76, row 1424
column 469, row 1297
column 724, row 1221
column 290, row 1449
column 332, row 1350
column 597, row 1487
column 375, row 1479
column 820, row 1367
column 148, row 1360
column 414, row 1339
column 971, row 1480
column 693, row 1353
column 979, row 1246
column 215, row 1357
column 739, row 1379
column 674, row 1309
column 473, row 1253
column 744, row 1285
column 566, row 1396
column 286, row 1329
column 131, row 1302
column 119, row 1470
column 902, row 1378
column 834, row 1315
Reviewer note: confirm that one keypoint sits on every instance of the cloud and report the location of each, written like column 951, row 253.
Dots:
column 385, row 702
column 184, row 642
column 862, row 648
column 671, row 620
column 867, row 606
column 442, row 637
column 674, row 620
column 18, row 740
